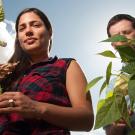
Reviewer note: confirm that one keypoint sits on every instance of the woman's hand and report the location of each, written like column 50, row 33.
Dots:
column 19, row 103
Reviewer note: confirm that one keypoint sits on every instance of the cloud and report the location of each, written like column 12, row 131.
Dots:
column 7, row 34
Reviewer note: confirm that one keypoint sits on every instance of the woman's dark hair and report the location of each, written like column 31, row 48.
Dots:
column 19, row 54
column 118, row 18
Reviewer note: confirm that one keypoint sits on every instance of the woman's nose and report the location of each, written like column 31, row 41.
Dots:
column 29, row 31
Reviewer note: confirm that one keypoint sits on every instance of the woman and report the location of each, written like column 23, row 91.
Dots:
column 42, row 95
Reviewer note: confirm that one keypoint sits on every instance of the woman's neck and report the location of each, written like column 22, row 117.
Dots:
column 37, row 59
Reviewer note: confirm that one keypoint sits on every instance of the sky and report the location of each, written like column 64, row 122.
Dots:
column 78, row 28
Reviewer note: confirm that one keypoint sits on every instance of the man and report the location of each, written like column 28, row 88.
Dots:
column 121, row 24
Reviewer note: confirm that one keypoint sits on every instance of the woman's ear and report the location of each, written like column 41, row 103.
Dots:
column 50, row 45
column 50, row 33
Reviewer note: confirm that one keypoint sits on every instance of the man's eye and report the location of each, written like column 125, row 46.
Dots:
column 21, row 29
column 126, row 32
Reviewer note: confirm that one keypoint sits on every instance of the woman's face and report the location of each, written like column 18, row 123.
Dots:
column 32, row 34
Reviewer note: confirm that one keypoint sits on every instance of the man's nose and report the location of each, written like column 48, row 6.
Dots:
column 122, row 34
column 115, row 44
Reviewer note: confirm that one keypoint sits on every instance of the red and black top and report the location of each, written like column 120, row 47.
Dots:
column 43, row 82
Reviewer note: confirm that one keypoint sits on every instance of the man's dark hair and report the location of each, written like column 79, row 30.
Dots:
column 118, row 18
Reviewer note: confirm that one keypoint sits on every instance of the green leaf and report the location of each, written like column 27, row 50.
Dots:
column 108, row 113
column 122, row 106
column 129, row 68
column 103, row 87
column 109, row 94
column 126, row 52
column 116, row 38
column 132, row 132
column 131, row 88
column 100, row 104
column 108, row 53
column 93, row 82
column 108, row 72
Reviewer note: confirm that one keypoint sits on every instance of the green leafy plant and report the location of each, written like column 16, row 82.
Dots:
column 114, row 106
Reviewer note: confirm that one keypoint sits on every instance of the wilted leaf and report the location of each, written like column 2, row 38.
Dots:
column 93, row 82
column 116, row 38
column 108, row 72
column 1, row 12
column 3, row 44
column 6, row 69
column 121, row 84
column 108, row 53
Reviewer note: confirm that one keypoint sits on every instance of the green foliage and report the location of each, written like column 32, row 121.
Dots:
column 108, row 72
column 127, row 53
column 129, row 68
column 116, row 38
column 100, row 104
column 105, row 114
column 93, row 82
column 114, row 106
column 131, row 87
column 103, row 87
column 108, row 53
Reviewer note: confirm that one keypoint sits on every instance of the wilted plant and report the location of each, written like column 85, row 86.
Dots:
column 2, row 17
column 7, row 68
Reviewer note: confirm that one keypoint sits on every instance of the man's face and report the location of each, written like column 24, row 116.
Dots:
column 123, row 27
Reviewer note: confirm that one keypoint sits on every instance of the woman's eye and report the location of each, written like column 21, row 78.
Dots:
column 36, row 25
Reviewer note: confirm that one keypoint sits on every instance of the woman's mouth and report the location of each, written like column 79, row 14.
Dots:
column 30, row 40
